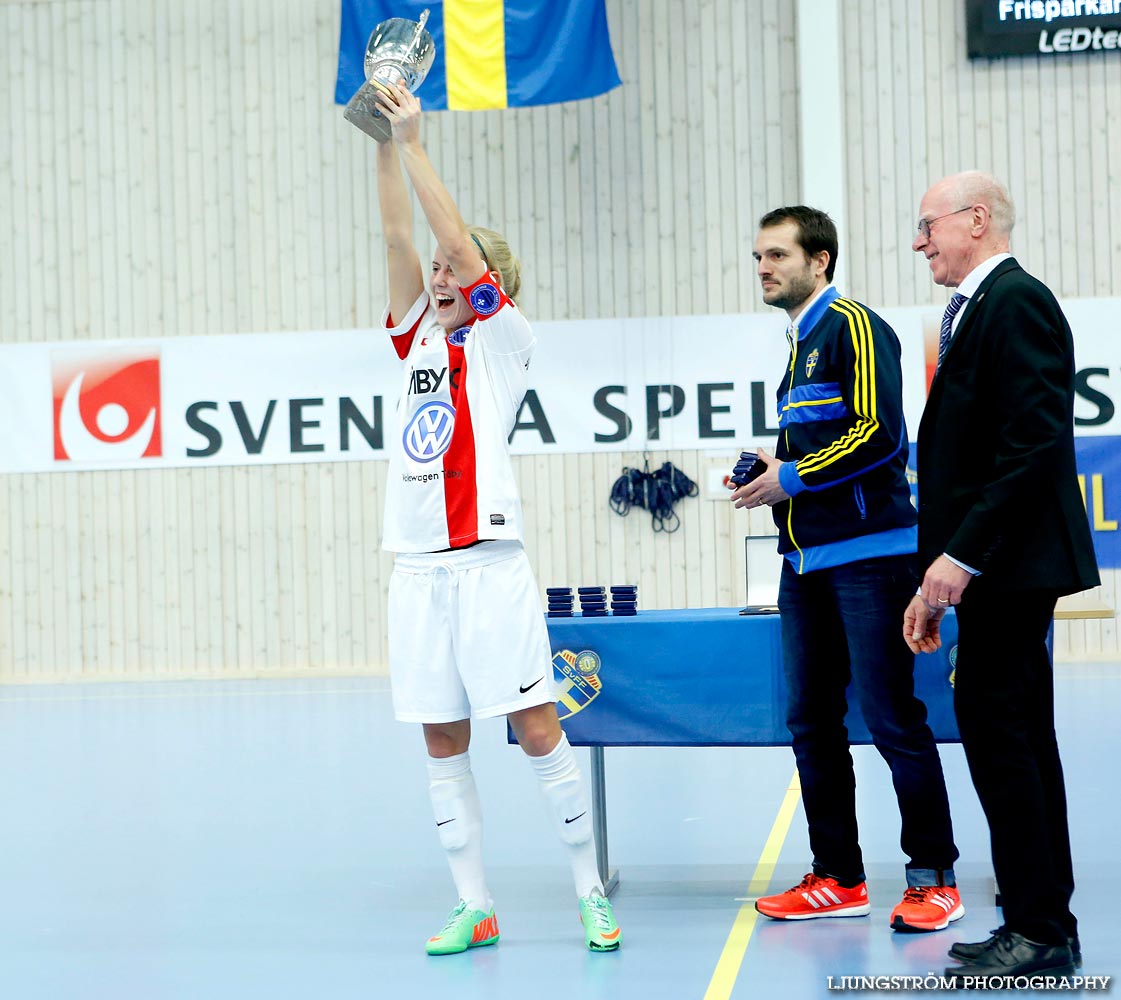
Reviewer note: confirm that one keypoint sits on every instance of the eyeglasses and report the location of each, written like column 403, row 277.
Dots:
column 924, row 224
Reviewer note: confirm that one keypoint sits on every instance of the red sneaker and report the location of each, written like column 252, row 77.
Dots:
column 816, row 897
column 927, row 908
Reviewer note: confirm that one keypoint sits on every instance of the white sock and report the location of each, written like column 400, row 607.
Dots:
column 571, row 809
column 459, row 823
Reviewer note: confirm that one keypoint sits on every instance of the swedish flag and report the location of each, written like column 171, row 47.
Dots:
column 492, row 53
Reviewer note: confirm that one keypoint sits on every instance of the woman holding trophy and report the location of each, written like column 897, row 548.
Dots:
column 467, row 635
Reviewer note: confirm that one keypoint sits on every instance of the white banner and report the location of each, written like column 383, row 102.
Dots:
column 695, row 382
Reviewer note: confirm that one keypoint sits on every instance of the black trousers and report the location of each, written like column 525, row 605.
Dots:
column 844, row 623
column 1005, row 704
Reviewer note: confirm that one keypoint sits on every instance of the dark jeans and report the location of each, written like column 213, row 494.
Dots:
column 847, row 623
column 1005, row 705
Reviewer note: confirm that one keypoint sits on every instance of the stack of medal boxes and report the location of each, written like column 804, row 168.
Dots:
column 624, row 600
column 560, row 602
column 593, row 601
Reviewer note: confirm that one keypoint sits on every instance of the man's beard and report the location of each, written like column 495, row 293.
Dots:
column 796, row 293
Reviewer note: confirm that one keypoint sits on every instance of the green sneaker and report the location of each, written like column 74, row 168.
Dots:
column 465, row 929
column 600, row 930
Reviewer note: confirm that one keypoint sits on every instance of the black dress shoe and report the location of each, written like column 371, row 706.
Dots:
column 965, row 952
column 1007, row 953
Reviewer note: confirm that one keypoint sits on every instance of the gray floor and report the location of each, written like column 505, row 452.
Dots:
column 273, row 839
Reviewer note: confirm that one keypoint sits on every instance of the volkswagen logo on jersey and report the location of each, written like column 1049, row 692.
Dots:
column 485, row 299
column 459, row 337
column 429, row 433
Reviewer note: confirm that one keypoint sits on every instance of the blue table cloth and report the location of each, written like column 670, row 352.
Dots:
column 703, row 677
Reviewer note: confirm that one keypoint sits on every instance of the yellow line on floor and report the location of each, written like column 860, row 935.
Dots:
column 731, row 958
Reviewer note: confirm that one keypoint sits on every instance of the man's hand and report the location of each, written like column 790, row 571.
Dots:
column 764, row 490
column 922, row 626
column 944, row 582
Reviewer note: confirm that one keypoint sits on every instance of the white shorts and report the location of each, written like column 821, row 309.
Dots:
column 467, row 634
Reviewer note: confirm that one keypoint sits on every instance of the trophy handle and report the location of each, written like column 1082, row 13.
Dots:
column 414, row 45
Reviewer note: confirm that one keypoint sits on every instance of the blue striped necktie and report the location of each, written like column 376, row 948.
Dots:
column 957, row 300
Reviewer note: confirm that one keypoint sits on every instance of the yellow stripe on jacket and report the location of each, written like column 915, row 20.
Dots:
column 864, row 391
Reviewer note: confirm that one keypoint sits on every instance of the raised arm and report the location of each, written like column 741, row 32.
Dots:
column 443, row 217
column 406, row 277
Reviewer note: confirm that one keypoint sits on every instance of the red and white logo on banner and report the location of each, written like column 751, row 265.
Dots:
column 106, row 405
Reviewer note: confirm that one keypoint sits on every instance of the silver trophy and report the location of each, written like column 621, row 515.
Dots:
column 399, row 50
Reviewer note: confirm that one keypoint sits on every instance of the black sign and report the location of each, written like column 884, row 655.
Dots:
column 1042, row 27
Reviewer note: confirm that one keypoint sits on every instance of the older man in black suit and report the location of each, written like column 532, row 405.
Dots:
column 1002, row 533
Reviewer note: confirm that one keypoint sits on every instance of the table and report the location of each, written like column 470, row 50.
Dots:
column 699, row 677
column 1082, row 606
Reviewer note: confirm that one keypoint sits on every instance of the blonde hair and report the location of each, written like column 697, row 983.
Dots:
column 498, row 256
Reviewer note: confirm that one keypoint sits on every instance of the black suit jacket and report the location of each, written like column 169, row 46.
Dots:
column 996, row 475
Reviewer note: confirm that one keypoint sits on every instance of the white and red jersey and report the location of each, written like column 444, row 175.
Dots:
column 451, row 481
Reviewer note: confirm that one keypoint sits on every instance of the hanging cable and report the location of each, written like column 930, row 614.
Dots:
column 656, row 492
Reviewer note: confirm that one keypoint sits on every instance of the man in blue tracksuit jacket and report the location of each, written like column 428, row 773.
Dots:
column 838, row 490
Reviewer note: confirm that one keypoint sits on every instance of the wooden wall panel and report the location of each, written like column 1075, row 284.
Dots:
column 919, row 109
column 173, row 169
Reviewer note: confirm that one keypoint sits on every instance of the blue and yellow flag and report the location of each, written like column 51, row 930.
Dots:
column 492, row 53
